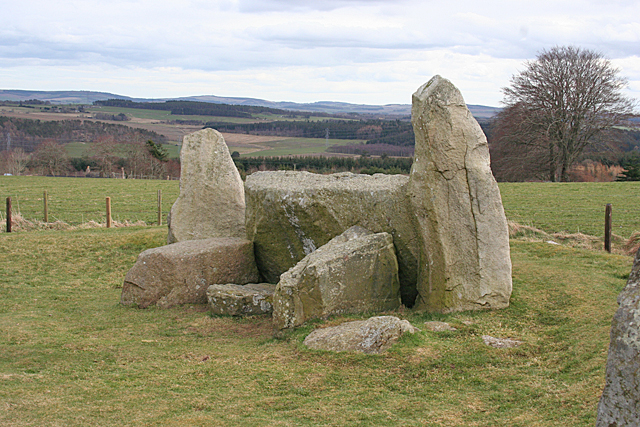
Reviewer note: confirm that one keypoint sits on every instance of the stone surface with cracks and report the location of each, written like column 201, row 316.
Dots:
column 620, row 402
column 464, row 242
column 355, row 272
column 211, row 201
column 180, row 273
column 291, row 214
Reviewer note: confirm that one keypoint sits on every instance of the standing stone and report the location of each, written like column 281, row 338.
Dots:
column 620, row 402
column 464, row 241
column 211, row 201
column 355, row 272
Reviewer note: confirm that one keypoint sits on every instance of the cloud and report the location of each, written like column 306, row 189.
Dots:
column 259, row 6
column 350, row 50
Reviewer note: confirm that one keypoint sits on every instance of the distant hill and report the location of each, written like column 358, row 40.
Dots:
column 58, row 97
column 88, row 97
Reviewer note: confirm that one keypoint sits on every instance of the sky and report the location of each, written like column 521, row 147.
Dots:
column 357, row 51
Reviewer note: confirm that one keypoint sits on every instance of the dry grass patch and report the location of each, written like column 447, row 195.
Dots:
column 21, row 224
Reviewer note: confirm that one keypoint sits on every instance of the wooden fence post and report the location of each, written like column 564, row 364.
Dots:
column 8, row 214
column 46, row 207
column 607, row 228
column 159, row 207
column 108, row 212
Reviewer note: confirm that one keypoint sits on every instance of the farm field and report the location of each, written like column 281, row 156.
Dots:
column 246, row 145
column 288, row 146
column 140, row 114
column 552, row 207
column 87, row 149
column 79, row 200
column 157, row 121
column 576, row 207
column 71, row 355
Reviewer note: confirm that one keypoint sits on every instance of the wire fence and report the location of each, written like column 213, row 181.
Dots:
column 79, row 201
column 574, row 207
column 551, row 207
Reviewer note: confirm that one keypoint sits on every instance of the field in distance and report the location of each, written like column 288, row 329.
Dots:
column 174, row 127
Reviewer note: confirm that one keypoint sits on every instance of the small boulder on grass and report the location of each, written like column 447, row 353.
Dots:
column 439, row 326
column 372, row 336
column 241, row 300
column 500, row 342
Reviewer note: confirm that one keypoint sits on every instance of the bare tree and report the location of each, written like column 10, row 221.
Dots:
column 15, row 161
column 104, row 154
column 51, row 158
column 559, row 104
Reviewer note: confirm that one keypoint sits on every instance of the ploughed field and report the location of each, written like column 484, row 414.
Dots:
column 71, row 355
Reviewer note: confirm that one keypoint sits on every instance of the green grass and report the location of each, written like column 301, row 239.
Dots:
column 71, row 355
column 78, row 149
column 569, row 207
column 79, row 200
column 573, row 207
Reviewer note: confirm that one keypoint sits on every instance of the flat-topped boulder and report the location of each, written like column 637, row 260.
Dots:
column 180, row 273
column 241, row 300
column 211, row 201
column 291, row 214
column 355, row 272
column 463, row 237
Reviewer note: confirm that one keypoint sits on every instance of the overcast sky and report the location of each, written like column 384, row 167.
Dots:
column 358, row 51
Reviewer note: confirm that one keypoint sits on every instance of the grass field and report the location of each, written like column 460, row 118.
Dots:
column 560, row 207
column 167, row 116
column 79, row 200
column 84, row 149
column 162, row 115
column 70, row 355
column 573, row 207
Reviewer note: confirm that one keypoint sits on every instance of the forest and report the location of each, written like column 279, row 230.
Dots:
column 322, row 164
column 28, row 134
column 195, row 108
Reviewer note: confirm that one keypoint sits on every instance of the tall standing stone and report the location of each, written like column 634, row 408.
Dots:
column 464, row 241
column 620, row 402
column 211, row 201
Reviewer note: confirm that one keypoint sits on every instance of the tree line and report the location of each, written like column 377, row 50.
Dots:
column 195, row 108
column 27, row 134
column 108, row 158
column 322, row 164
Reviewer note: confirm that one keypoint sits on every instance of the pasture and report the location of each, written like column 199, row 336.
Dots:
column 71, row 355
column 79, row 200
column 552, row 207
